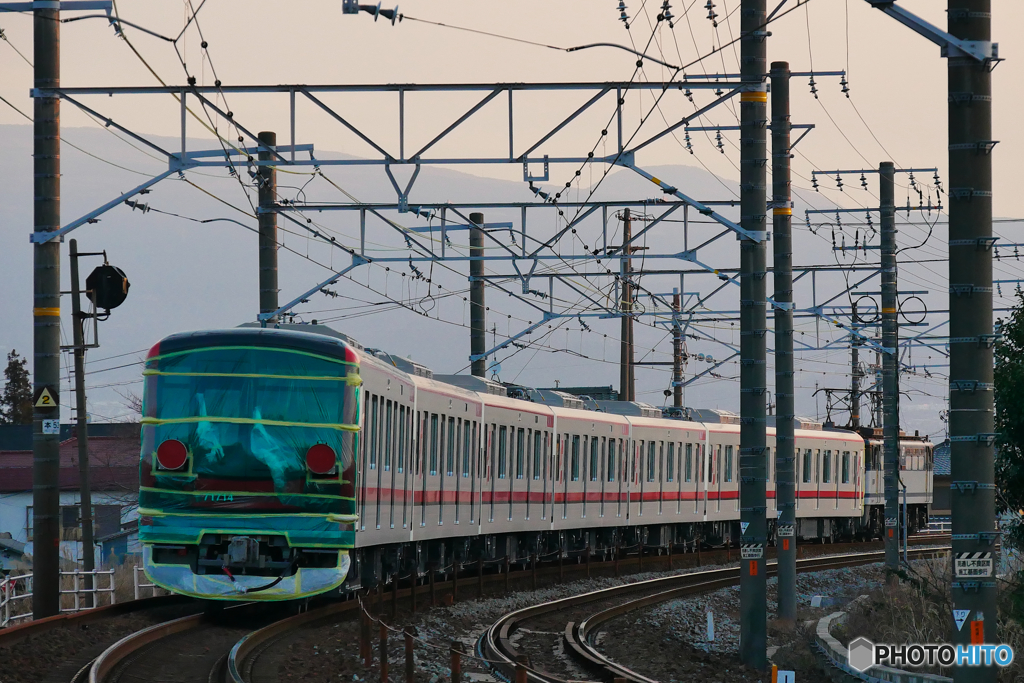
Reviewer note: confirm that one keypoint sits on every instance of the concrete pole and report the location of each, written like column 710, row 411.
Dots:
column 890, row 375
column 782, row 240
column 854, row 375
column 971, row 417
column 477, row 305
column 753, row 350
column 268, row 229
column 46, row 315
column 626, row 386
column 85, row 493
column 677, row 355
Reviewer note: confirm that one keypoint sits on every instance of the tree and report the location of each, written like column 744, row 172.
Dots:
column 1009, row 396
column 16, row 399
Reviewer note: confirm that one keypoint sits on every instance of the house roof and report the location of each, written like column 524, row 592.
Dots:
column 113, row 459
column 943, row 466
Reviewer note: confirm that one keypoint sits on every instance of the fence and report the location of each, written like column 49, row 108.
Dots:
column 16, row 592
column 138, row 581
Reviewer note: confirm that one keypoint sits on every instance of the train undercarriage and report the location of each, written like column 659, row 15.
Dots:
column 371, row 565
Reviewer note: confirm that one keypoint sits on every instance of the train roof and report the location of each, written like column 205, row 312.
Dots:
column 550, row 402
column 254, row 336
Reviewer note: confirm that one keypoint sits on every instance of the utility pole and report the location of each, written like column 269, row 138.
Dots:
column 890, row 377
column 854, row 373
column 971, row 409
column 753, row 330
column 477, row 307
column 268, row 228
column 876, row 396
column 46, row 315
column 677, row 352
column 785, row 441
column 627, row 386
column 82, row 433
column 971, row 55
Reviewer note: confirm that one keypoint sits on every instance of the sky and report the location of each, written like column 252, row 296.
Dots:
column 896, row 109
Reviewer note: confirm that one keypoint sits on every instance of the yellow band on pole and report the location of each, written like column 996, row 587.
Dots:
column 655, row 181
column 888, row 310
column 782, row 212
column 46, row 311
column 755, row 96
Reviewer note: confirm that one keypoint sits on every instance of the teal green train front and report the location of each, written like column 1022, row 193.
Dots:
column 248, row 471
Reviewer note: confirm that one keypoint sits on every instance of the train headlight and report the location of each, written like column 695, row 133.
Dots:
column 171, row 455
column 321, row 459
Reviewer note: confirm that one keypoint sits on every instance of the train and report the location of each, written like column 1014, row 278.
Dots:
column 282, row 462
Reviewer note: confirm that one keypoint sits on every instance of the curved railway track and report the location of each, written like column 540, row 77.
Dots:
column 191, row 649
column 225, row 647
column 579, row 618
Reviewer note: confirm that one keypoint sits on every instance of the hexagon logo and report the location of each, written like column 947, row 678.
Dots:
column 861, row 654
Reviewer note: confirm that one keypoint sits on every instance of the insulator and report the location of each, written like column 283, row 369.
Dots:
column 814, row 87
column 718, row 139
column 863, row 181
column 846, row 85
column 623, row 17
column 689, row 95
column 1016, row 254
column 997, row 254
column 689, row 144
column 839, row 182
column 712, row 15
column 814, row 182
column 913, row 183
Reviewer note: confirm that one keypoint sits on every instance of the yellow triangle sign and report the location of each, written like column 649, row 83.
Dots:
column 46, row 399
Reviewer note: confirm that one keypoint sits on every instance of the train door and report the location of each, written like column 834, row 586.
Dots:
column 705, row 474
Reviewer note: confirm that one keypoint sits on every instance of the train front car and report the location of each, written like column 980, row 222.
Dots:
column 248, row 472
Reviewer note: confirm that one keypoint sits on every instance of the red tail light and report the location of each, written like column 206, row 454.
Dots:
column 321, row 459
column 171, row 455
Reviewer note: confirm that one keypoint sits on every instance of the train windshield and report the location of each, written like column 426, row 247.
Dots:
column 232, row 406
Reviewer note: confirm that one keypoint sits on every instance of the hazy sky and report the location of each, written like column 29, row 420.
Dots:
column 897, row 80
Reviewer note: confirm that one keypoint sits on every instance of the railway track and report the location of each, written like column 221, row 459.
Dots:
column 246, row 642
column 578, row 618
column 190, row 649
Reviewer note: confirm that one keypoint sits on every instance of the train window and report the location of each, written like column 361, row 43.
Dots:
column 688, row 463
column 817, row 466
column 594, row 455
column 388, row 432
column 661, row 461
column 537, row 454
column 670, row 473
column 651, row 462
column 400, row 454
column 372, row 436
column 717, row 474
column 453, row 452
column 826, row 471
column 768, row 463
column 728, row 463
column 610, row 468
column 467, row 445
column 846, row 467
column 502, row 450
column 520, row 452
column 433, row 444
column 421, row 425
column 807, row 466
column 575, row 455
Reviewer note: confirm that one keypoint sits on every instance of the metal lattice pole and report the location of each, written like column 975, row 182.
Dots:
column 268, row 229
column 785, row 442
column 82, row 435
column 890, row 359
column 46, row 316
column 753, row 350
column 971, row 417
column 477, row 307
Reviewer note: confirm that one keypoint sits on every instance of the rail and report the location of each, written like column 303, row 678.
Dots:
column 495, row 644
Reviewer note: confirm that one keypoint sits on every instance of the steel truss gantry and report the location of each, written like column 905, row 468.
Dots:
column 534, row 257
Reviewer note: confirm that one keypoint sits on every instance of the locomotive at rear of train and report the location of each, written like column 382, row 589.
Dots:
column 455, row 469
